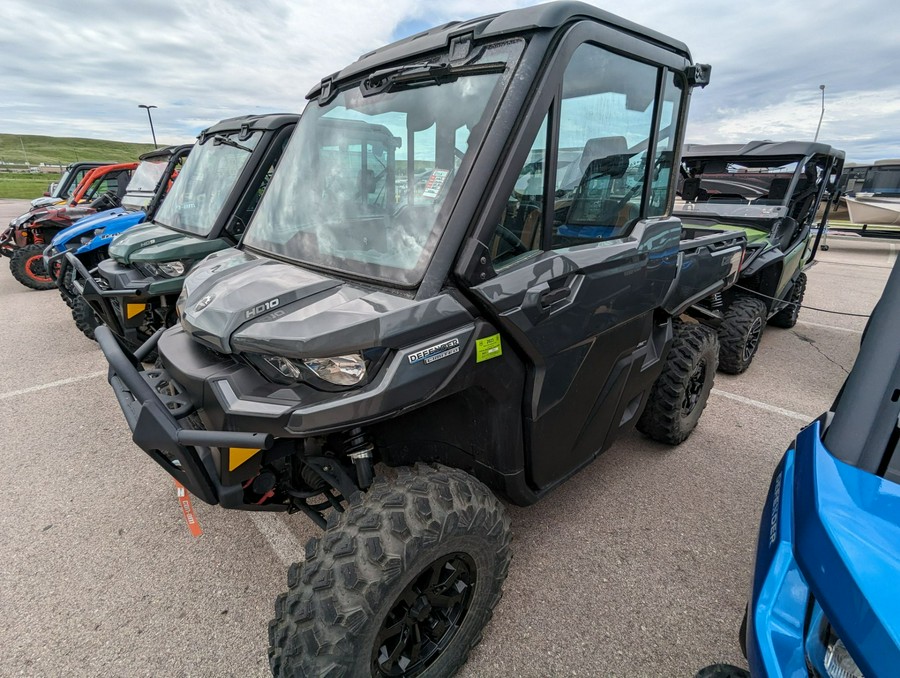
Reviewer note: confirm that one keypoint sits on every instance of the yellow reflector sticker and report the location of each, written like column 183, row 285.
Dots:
column 488, row 348
column 238, row 455
column 132, row 310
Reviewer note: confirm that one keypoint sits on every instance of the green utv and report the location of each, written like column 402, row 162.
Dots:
column 463, row 281
column 134, row 291
column 771, row 191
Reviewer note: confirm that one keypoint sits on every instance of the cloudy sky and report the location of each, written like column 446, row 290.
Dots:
column 81, row 68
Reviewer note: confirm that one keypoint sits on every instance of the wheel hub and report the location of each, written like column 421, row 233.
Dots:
column 425, row 617
column 694, row 389
column 753, row 336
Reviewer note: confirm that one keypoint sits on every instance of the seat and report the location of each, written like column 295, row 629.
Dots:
column 778, row 189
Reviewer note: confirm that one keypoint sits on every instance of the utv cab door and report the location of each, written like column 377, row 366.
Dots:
column 576, row 248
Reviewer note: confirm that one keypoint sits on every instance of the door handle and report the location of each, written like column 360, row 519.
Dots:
column 553, row 296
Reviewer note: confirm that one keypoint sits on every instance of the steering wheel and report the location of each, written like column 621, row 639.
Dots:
column 512, row 240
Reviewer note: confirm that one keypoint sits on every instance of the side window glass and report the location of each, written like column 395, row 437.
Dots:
column 665, row 146
column 519, row 229
column 606, row 117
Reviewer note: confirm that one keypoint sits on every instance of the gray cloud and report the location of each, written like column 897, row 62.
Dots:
column 81, row 68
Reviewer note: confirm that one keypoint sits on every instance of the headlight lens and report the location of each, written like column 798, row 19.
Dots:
column 172, row 269
column 838, row 662
column 342, row 370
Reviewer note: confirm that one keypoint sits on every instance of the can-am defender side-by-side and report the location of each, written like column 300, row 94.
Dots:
column 61, row 191
column 88, row 239
column 135, row 289
column 27, row 235
column 771, row 190
column 465, row 272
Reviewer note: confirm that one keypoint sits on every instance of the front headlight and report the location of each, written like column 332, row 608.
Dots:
column 343, row 370
column 838, row 662
column 172, row 269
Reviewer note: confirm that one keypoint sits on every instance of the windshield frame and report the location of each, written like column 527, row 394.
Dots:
column 509, row 50
column 197, row 155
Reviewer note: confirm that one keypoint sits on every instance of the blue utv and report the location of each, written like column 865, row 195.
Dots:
column 825, row 594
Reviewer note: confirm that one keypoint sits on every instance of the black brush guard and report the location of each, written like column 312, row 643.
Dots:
column 183, row 451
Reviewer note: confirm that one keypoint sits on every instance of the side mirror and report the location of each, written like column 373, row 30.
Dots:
column 698, row 75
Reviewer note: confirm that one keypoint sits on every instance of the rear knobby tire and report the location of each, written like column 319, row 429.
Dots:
column 740, row 334
column 679, row 394
column 787, row 317
column 27, row 266
column 85, row 318
column 373, row 572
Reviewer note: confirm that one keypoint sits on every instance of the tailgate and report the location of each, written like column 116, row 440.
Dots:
column 709, row 261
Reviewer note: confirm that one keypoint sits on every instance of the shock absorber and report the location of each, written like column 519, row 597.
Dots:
column 715, row 301
column 359, row 449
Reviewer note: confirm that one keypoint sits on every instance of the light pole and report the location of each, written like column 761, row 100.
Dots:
column 151, row 121
column 821, row 115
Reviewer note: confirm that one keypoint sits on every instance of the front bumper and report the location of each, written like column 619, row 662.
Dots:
column 158, row 422
column 126, row 300
column 827, row 554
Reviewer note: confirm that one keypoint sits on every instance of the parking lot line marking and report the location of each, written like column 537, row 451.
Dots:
column 283, row 542
column 829, row 327
column 763, row 406
column 52, row 384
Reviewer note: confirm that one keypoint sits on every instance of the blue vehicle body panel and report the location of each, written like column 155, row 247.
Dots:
column 82, row 226
column 112, row 222
column 829, row 548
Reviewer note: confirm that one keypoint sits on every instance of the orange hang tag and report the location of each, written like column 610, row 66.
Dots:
column 184, row 499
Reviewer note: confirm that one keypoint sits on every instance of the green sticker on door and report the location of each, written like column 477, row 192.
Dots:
column 488, row 348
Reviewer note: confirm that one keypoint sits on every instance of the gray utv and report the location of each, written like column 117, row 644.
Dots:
column 463, row 281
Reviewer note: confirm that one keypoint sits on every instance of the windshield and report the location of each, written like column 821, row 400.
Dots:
column 204, row 184
column 360, row 186
column 143, row 183
column 883, row 181
column 736, row 187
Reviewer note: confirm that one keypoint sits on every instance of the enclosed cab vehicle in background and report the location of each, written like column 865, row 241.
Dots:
column 61, row 191
column 26, row 237
column 825, row 590
column 135, row 289
column 465, row 271
column 88, row 239
column 771, row 191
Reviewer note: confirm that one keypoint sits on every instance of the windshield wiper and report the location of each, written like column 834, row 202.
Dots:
column 439, row 72
column 221, row 139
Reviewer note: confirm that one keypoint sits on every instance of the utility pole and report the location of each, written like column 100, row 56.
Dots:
column 821, row 115
column 150, row 118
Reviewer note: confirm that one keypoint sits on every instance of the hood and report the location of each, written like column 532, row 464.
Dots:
column 236, row 301
column 112, row 226
column 85, row 225
column 152, row 242
column 65, row 214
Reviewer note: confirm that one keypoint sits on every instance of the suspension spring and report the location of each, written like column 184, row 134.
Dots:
column 359, row 449
column 716, row 301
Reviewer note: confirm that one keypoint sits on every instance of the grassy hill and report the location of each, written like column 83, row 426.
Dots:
column 63, row 150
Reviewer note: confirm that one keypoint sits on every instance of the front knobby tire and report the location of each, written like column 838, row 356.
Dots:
column 740, row 334
column 401, row 584
column 27, row 266
column 85, row 318
column 679, row 394
column 787, row 317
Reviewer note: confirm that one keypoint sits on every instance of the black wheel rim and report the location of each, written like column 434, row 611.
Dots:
column 425, row 617
column 752, row 338
column 694, row 389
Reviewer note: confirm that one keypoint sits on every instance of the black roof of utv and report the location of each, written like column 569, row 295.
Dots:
column 550, row 15
column 760, row 149
column 164, row 153
column 269, row 121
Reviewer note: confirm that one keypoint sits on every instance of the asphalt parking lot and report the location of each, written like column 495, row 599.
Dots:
column 639, row 566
